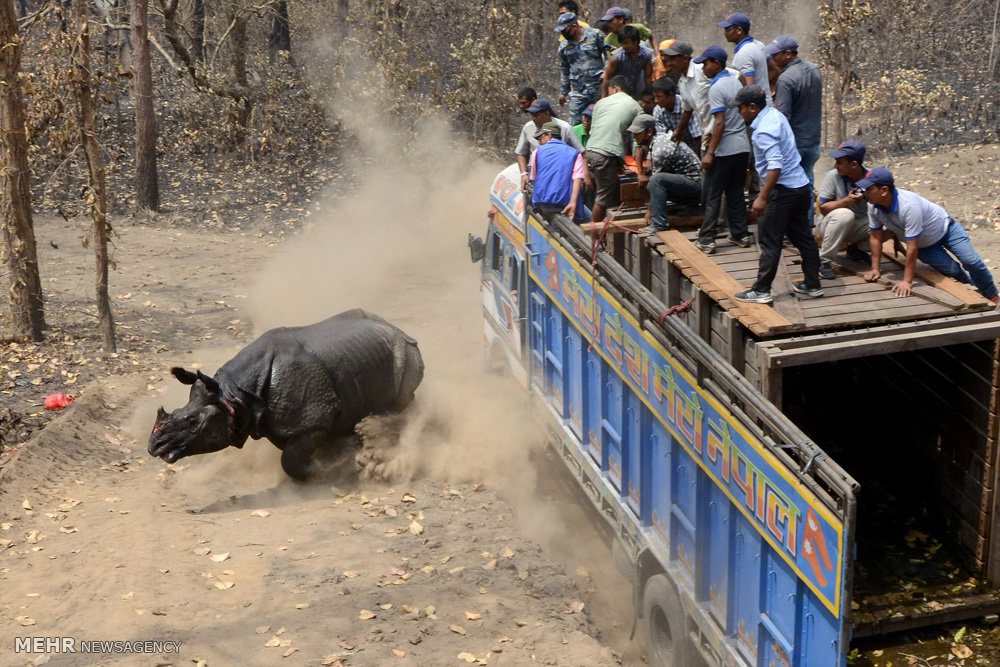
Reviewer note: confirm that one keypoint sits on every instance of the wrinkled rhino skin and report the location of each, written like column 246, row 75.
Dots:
column 302, row 388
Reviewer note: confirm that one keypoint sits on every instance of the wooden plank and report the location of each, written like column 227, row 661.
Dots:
column 645, row 273
column 756, row 317
column 948, row 285
column 736, row 343
column 877, row 316
column 821, row 307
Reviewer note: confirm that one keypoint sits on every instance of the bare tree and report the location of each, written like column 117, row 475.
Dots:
column 147, row 190
column 86, row 95
column 26, row 304
column 280, row 38
column 198, row 30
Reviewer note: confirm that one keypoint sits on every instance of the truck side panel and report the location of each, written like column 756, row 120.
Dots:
column 758, row 560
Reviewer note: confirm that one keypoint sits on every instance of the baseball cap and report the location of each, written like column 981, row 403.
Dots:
column 752, row 94
column 641, row 122
column 742, row 20
column 549, row 128
column 614, row 12
column 713, row 52
column 540, row 104
column 854, row 150
column 589, row 111
column 876, row 176
column 565, row 21
column 678, row 48
column 782, row 43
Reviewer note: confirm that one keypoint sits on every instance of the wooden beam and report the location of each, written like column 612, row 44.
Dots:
column 967, row 296
column 875, row 344
column 714, row 281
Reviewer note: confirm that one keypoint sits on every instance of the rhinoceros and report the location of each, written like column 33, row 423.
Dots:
column 302, row 388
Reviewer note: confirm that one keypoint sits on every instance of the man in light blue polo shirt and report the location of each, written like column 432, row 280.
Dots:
column 784, row 198
column 929, row 232
column 749, row 58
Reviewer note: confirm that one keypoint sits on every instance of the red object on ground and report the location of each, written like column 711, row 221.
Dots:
column 57, row 401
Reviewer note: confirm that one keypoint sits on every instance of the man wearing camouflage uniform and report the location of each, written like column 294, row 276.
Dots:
column 581, row 64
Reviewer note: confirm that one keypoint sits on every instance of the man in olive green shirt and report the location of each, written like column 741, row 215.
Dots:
column 605, row 152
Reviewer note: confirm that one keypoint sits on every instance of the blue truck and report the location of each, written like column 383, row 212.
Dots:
column 708, row 433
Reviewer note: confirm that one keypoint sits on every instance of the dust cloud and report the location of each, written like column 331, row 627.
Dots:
column 396, row 246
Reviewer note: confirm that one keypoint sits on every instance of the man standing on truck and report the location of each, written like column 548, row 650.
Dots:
column 558, row 171
column 783, row 200
column 726, row 156
column 541, row 113
column 799, row 95
column 843, row 210
column 631, row 60
column 675, row 174
column 581, row 64
column 929, row 233
column 606, row 149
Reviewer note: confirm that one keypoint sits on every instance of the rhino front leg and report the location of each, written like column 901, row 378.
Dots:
column 297, row 453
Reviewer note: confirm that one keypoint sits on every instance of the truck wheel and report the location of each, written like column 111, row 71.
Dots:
column 669, row 644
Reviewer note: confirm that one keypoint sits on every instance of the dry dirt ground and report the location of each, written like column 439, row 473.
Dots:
column 475, row 549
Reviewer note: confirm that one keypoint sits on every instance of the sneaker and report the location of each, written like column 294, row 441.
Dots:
column 744, row 241
column 650, row 229
column 707, row 248
column 811, row 292
column 753, row 296
column 826, row 271
column 995, row 299
column 857, row 254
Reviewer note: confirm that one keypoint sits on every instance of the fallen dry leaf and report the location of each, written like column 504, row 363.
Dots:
column 457, row 629
column 26, row 504
column 399, row 654
column 332, row 660
column 304, row 605
column 408, row 498
column 25, row 620
column 224, row 585
column 468, row 657
column 350, row 574
column 573, row 607
column 492, row 565
column 385, row 607
column 289, row 652
column 961, row 651
column 218, row 558
column 366, row 614
column 261, row 513
column 273, row 641
column 262, row 629
column 416, row 528
column 67, row 529
column 472, row 616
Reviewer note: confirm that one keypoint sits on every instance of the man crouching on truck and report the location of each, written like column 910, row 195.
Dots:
column 558, row 170
column 929, row 232
column 782, row 206
column 675, row 174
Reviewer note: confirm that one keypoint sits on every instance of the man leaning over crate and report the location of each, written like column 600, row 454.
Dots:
column 929, row 233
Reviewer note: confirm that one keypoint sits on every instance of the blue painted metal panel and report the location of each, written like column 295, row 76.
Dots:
column 762, row 556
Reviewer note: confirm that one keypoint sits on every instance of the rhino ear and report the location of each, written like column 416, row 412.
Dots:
column 209, row 382
column 185, row 377
column 161, row 414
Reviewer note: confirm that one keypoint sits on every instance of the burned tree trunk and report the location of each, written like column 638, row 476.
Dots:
column 280, row 38
column 26, row 304
column 147, row 190
column 198, row 30
column 86, row 100
column 241, row 107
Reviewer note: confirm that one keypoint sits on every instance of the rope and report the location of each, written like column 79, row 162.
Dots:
column 676, row 308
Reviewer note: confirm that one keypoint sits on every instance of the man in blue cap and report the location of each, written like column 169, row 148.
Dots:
column 799, row 95
column 749, row 58
column 784, row 197
column 541, row 113
column 726, row 155
column 581, row 64
column 929, row 233
column 843, row 209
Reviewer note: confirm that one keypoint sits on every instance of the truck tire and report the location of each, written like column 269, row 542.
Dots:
column 669, row 644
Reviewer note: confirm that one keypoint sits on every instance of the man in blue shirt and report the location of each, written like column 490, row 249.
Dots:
column 784, row 198
column 799, row 95
column 929, row 233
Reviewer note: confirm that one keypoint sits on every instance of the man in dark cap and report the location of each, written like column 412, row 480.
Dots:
column 541, row 113
column 581, row 64
column 843, row 209
column 726, row 155
column 799, row 95
column 929, row 233
column 749, row 58
column 781, row 206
